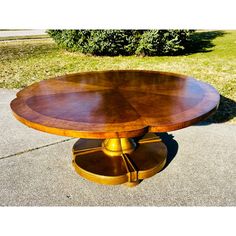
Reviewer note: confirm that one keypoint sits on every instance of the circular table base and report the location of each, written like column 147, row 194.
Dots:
column 91, row 162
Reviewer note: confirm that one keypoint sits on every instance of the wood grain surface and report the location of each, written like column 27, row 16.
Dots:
column 114, row 104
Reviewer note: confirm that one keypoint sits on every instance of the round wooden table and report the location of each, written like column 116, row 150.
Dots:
column 115, row 114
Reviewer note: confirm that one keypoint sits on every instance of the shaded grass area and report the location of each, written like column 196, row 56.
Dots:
column 202, row 41
column 211, row 58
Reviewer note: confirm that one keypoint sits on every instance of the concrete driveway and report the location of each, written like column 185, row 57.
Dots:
column 36, row 170
column 11, row 33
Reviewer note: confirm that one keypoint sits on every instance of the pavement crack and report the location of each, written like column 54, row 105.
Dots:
column 36, row 148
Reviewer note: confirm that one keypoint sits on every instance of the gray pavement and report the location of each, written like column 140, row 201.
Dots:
column 36, row 170
column 11, row 33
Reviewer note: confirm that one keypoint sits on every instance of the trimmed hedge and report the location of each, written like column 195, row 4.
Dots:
column 123, row 42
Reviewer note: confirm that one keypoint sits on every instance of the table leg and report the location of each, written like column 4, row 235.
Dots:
column 119, row 161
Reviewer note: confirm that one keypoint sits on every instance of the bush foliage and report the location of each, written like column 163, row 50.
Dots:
column 123, row 42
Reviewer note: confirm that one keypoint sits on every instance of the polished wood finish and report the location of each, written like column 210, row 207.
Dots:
column 91, row 162
column 114, row 104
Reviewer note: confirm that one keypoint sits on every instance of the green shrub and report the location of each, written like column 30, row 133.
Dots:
column 122, row 42
column 112, row 42
column 163, row 42
column 73, row 40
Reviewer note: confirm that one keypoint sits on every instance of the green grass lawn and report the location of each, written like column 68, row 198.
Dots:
column 213, row 60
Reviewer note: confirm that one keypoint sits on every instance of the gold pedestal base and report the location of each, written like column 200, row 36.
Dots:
column 119, row 161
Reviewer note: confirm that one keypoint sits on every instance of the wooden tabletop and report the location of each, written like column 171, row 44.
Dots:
column 112, row 104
